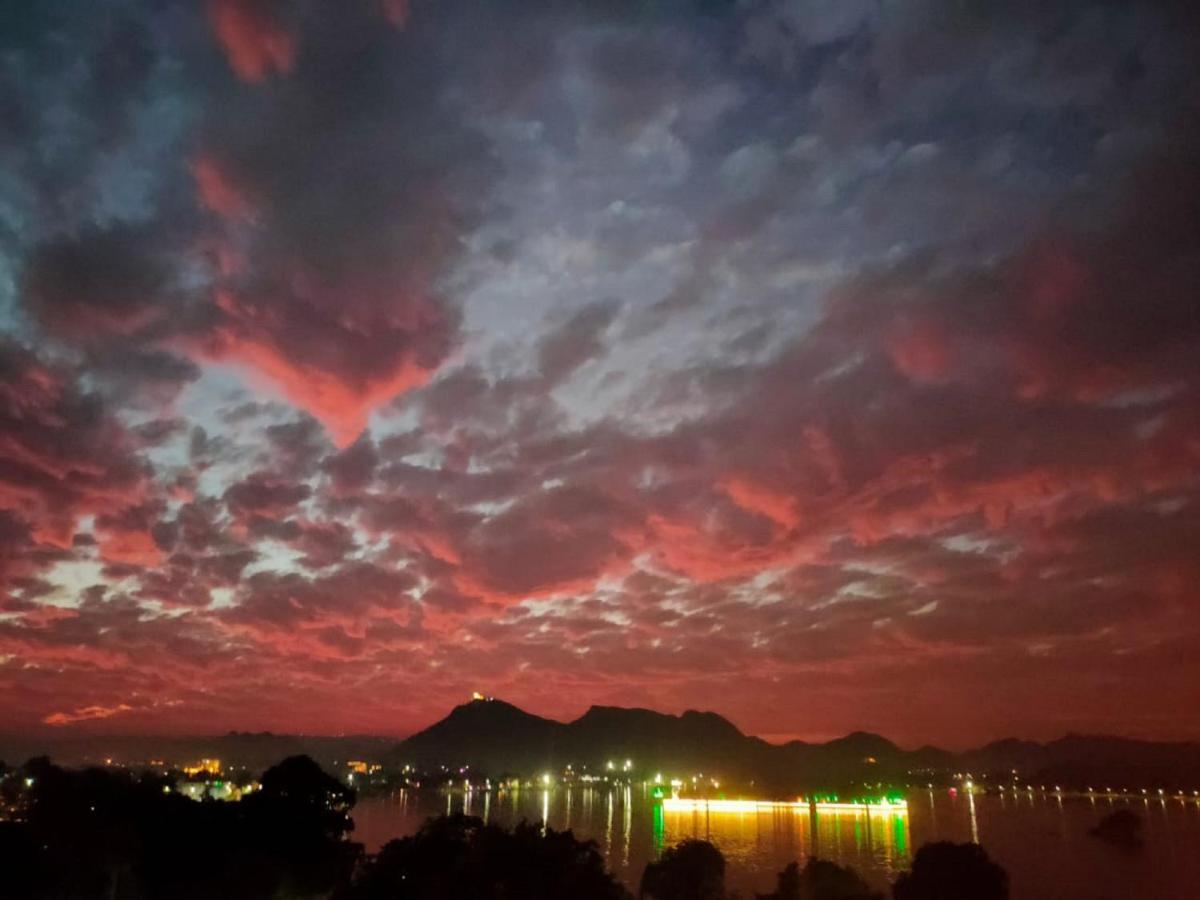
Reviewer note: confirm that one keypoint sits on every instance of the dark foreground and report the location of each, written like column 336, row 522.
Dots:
column 103, row 834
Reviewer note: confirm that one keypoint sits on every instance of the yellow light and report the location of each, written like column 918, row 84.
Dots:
column 546, row 779
column 205, row 766
column 882, row 807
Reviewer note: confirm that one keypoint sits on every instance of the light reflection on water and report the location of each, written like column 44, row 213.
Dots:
column 1041, row 840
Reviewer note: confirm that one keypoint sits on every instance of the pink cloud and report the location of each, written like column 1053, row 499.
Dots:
column 253, row 39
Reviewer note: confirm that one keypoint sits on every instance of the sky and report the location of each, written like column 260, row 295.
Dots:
column 830, row 365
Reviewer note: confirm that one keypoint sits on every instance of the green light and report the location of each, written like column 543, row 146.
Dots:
column 900, row 831
column 660, row 830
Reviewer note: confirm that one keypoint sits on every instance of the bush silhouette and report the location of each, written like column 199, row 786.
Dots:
column 461, row 857
column 103, row 834
column 946, row 871
column 691, row 870
column 820, row 880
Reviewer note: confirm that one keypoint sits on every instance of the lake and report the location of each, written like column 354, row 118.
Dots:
column 1041, row 840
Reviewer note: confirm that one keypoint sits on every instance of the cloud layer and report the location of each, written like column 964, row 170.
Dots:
column 830, row 365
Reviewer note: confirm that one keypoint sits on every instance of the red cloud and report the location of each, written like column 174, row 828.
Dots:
column 779, row 506
column 62, row 455
column 85, row 713
column 921, row 351
column 341, row 401
column 131, row 547
column 252, row 39
column 397, row 11
column 215, row 190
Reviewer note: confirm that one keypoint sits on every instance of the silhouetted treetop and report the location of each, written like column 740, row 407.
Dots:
column 462, row 857
column 691, row 870
column 820, row 879
column 947, row 871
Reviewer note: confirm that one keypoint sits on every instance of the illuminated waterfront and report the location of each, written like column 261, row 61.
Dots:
column 1041, row 839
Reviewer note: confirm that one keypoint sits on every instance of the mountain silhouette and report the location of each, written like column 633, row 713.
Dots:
column 495, row 737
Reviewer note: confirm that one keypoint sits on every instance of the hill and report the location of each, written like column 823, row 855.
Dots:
column 497, row 737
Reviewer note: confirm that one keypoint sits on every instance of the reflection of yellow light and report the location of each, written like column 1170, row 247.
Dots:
column 881, row 807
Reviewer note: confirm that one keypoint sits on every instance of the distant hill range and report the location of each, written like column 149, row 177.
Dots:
column 496, row 737
column 254, row 751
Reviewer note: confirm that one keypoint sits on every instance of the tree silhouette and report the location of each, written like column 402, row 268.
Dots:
column 947, row 871
column 691, row 870
column 460, row 857
column 22, row 864
column 103, row 834
column 820, row 880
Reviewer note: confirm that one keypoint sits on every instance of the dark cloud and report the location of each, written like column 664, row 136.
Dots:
column 576, row 342
column 333, row 230
column 264, row 494
column 66, row 455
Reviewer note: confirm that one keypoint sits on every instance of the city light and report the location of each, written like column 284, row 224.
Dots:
column 205, row 766
column 882, row 806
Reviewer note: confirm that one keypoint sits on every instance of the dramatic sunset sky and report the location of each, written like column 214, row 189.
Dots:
column 829, row 365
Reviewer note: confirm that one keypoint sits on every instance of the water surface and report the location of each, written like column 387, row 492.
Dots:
column 1042, row 841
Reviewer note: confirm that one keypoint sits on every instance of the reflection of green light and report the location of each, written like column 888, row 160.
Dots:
column 900, row 830
column 660, row 830
column 858, row 834
column 657, row 794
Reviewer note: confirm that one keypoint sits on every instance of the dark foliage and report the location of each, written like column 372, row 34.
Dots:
column 820, row 880
column 691, row 870
column 100, row 834
column 946, row 871
column 460, row 857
